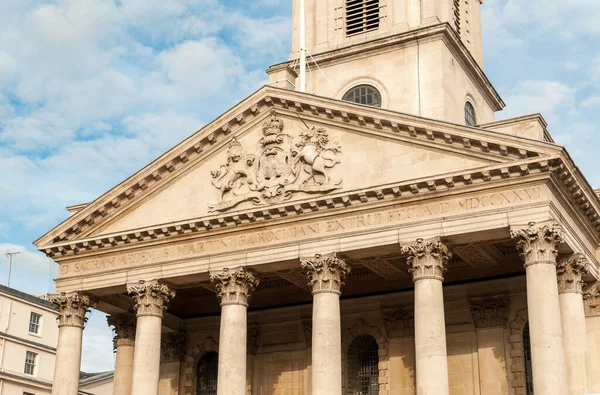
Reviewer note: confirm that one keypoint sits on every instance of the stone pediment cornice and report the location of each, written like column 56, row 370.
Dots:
column 463, row 182
column 196, row 149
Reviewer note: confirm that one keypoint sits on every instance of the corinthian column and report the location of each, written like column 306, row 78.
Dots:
column 427, row 261
column 591, row 301
column 72, row 308
column 150, row 301
column 123, row 344
column 571, row 272
column 234, row 289
column 537, row 245
column 326, row 275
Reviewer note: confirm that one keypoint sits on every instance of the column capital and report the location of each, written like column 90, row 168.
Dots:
column 399, row 322
column 123, row 329
column 171, row 347
column 150, row 298
column 489, row 311
column 72, row 308
column 591, row 299
column 326, row 273
column 234, row 286
column 538, row 243
column 427, row 259
column 570, row 273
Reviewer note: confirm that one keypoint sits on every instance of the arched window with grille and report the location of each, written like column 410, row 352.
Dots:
column 527, row 360
column 206, row 374
column 363, row 366
column 363, row 94
column 470, row 119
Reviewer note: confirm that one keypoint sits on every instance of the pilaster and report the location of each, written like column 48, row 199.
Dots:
column 171, row 347
column 489, row 311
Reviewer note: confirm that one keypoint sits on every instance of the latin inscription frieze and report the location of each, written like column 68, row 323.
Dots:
column 220, row 244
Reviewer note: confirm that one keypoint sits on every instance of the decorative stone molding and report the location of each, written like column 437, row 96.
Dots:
column 489, row 311
column 591, row 300
column 538, row 243
column 150, row 298
column 171, row 347
column 516, row 366
column 190, row 361
column 123, row 329
column 72, row 308
column 570, row 273
column 427, row 259
column 399, row 322
column 281, row 167
column 326, row 273
column 253, row 338
column 361, row 327
column 234, row 286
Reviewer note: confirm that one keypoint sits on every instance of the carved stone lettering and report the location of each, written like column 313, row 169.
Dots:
column 72, row 308
column 234, row 286
column 570, row 273
column 150, row 297
column 279, row 168
column 538, row 244
column 326, row 273
column 427, row 259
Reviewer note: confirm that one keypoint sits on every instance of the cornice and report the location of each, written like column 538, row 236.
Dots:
column 393, row 42
column 192, row 151
column 429, row 187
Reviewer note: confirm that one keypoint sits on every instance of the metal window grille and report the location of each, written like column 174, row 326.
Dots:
column 363, row 366
column 470, row 115
column 361, row 16
column 207, row 374
column 527, row 360
column 364, row 94
column 34, row 323
column 30, row 358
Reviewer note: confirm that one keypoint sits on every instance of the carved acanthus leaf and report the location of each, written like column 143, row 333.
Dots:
column 591, row 299
column 399, row 322
column 326, row 273
column 171, row 347
column 538, row 243
column 427, row 259
column 123, row 328
column 234, row 286
column 150, row 297
column 72, row 308
column 571, row 272
column 489, row 311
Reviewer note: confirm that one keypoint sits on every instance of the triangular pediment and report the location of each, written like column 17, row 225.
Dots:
column 283, row 147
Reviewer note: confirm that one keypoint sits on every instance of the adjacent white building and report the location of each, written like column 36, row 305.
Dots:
column 28, row 338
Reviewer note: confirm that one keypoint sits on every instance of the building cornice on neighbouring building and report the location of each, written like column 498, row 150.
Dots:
column 25, row 380
column 391, row 43
column 27, row 342
column 25, row 297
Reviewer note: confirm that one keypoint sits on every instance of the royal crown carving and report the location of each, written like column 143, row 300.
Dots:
column 123, row 328
column 234, row 286
column 427, row 259
column 150, row 298
column 591, row 299
column 72, row 308
column 326, row 273
column 538, row 243
column 281, row 166
column 570, row 273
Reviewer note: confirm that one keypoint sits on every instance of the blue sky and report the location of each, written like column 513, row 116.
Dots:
column 92, row 90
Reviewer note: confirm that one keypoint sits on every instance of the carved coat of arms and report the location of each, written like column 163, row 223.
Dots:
column 280, row 166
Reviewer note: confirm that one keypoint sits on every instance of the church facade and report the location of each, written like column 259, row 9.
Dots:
column 380, row 234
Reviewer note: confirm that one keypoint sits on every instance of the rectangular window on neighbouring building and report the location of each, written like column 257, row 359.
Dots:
column 361, row 16
column 30, row 359
column 28, row 393
column 34, row 323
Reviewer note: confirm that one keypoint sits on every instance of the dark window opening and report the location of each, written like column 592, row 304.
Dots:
column 364, row 94
column 527, row 360
column 470, row 115
column 207, row 374
column 363, row 366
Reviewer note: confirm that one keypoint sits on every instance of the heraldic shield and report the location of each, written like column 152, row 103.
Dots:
column 280, row 167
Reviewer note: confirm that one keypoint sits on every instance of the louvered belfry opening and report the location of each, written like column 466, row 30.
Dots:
column 361, row 16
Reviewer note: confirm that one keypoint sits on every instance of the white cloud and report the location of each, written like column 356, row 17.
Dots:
column 538, row 96
column 591, row 102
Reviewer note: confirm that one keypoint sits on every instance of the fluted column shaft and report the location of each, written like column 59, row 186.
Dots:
column 123, row 343
column 72, row 308
column 427, row 261
column 234, row 289
column 326, row 275
column 150, row 301
column 538, row 246
column 571, row 272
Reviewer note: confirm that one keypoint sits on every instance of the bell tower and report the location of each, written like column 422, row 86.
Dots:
column 422, row 57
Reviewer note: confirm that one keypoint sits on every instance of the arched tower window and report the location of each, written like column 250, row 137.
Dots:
column 470, row 119
column 527, row 360
column 364, row 94
column 206, row 374
column 363, row 366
